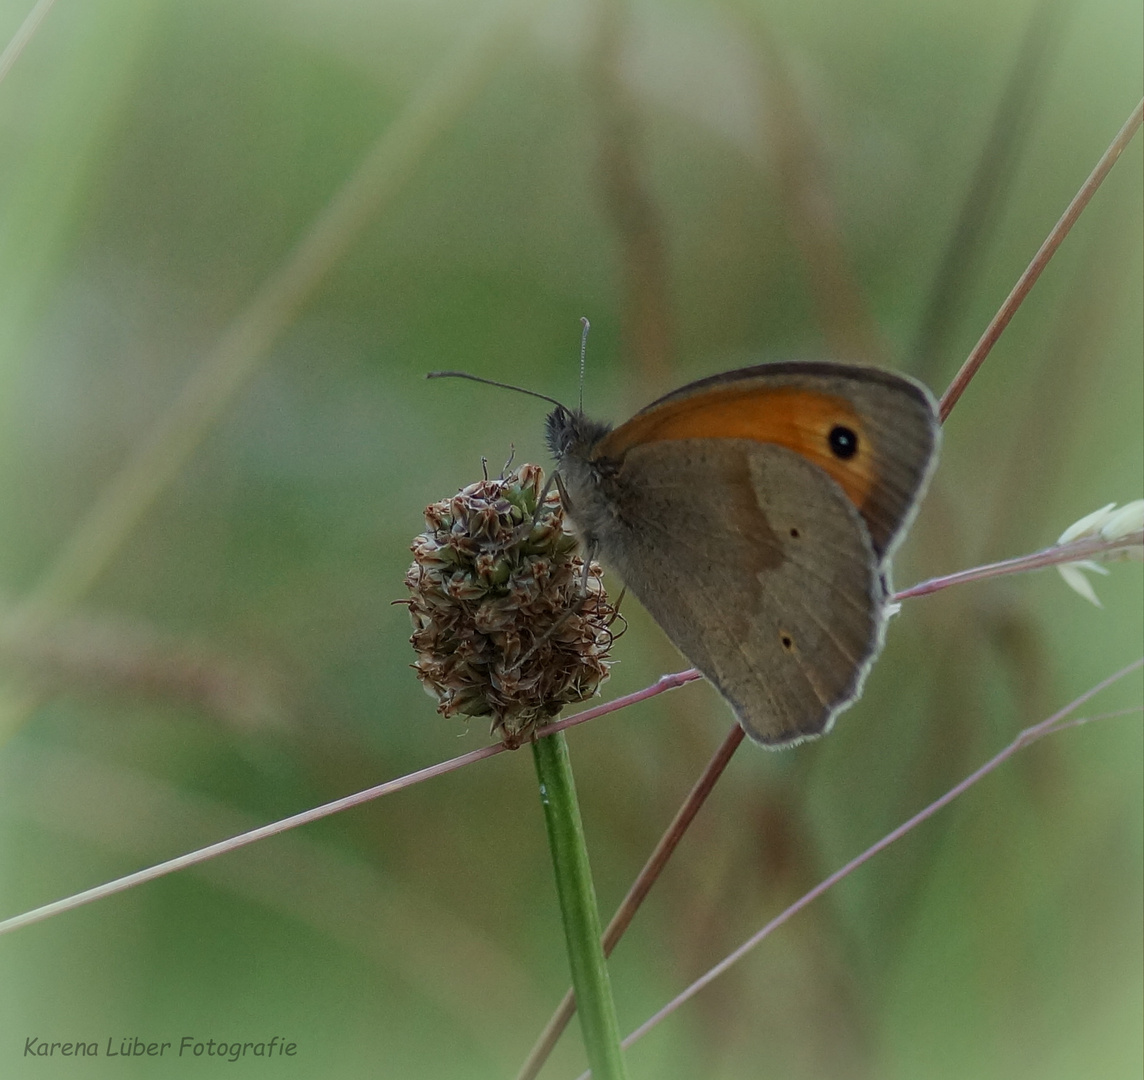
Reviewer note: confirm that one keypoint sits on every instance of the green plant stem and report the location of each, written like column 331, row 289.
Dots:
column 577, row 895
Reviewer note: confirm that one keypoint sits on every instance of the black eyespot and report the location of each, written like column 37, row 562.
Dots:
column 843, row 442
column 787, row 642
column 794, row 534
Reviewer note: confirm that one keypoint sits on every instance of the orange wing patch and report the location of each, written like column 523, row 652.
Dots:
column 800, row 420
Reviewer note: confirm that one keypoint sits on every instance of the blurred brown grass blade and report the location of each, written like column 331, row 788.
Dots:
column 808, row 204
column 164, row 450
column 637, row 894
column 628, row 200
column 989, row 188
column 107, row 656
column 1046, row 251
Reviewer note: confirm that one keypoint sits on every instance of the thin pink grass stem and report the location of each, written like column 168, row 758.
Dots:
column 1029, row 278
column 193, row 858
column 1051, row 556
column 1027, row 737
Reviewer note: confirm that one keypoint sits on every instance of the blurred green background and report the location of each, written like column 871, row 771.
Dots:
column 711, row 184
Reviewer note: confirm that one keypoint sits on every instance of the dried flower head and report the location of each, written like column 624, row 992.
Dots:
column 1107, row 523
column 501, row 625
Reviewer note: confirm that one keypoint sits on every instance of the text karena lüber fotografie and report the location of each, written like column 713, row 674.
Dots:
column 187, row 1047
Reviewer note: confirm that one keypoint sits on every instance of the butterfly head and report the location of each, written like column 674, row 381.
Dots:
column 571, row 435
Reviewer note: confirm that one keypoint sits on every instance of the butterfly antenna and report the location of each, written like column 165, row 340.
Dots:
column 583, row 350
column 493, row 382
